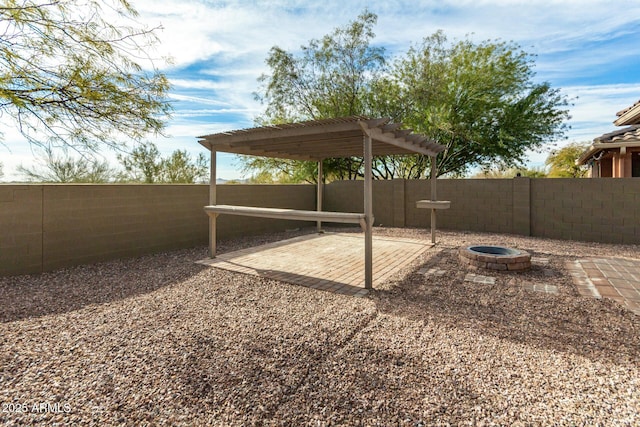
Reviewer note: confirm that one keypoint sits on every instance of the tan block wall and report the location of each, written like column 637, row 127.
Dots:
column 20, row 228
column 599, row 209
column 88, row 223
column 345, row 196
column 476, row 204
column 270, row 196
column 388, row 200
column 44, row 227
column 522, row 206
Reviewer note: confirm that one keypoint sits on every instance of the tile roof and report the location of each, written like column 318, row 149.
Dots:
column 630, row 133
column 628, row 116
column 621, row 112
column 629, row 136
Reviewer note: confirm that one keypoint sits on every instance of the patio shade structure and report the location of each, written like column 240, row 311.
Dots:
column 316, row 140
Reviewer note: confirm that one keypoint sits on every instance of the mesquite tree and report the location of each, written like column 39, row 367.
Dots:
column 480, row 100
column 71, row 78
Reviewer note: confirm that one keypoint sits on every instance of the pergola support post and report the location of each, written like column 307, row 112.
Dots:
column 368, row 211
column 319, row 194
column 434, row 197
column 212, row 201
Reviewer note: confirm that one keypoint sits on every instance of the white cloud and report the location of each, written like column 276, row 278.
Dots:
column 592, row 114
column 195, row 30
column 199, row 99
column 197, row 84
column 595, row 107
column 185, row 114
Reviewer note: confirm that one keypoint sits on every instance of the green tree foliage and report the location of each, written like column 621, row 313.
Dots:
column 145, row 164
column 330, row 78
column 480, row 100
column 562, row 162
column 67, row 169
column 511, row 173
column 268, row 169
column 180, row 168
column 69, row 78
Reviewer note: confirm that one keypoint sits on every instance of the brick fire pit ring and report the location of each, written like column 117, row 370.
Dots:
column 495, row 257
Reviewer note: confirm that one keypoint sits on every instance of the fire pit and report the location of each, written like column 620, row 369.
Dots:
column 495, row 257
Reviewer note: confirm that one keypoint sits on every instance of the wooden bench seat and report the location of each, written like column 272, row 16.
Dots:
column 433, row 204
column 291, row 214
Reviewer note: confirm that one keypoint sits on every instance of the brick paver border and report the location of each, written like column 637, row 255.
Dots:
column 615, row 278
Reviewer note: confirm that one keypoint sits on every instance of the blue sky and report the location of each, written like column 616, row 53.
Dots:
column 590, row 49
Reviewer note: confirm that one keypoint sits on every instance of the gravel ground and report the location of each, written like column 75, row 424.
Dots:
column 159, row 340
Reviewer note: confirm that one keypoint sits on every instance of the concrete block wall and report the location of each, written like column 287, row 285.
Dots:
column 522, row 206
column 89, row 223
column 475, row 205
column 388, row 200
column 20, row 228
column 270, row 196
column 345, row 196
column 599, row 209
column 45, row 227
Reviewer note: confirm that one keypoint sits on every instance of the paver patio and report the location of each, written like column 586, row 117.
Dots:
column 329, row 261
column 334, row 262
column 615, row 278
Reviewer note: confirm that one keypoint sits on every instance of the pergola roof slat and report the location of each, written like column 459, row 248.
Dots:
column 251, row 151
column 377, row 122
column 403, row 132
column 318, row 139
column 334, row 139
column 391, row 127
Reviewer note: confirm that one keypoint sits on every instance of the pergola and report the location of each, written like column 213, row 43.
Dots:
column 317, row 140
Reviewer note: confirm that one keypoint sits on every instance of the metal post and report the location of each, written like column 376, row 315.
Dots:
column 368, row 212
column 212, row 201
column 319, row 194
column 434, row 197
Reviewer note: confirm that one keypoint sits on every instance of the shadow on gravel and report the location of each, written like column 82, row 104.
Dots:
column 251, row 363
column 599, row 330
column 73, row 288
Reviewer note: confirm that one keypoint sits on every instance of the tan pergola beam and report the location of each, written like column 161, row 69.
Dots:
column 322, row 139
column 308, row 152
column 279, row 131
column 252, row 152
column 319, row 189
column 402, row 142
column 392, row 127
column 212, row 201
